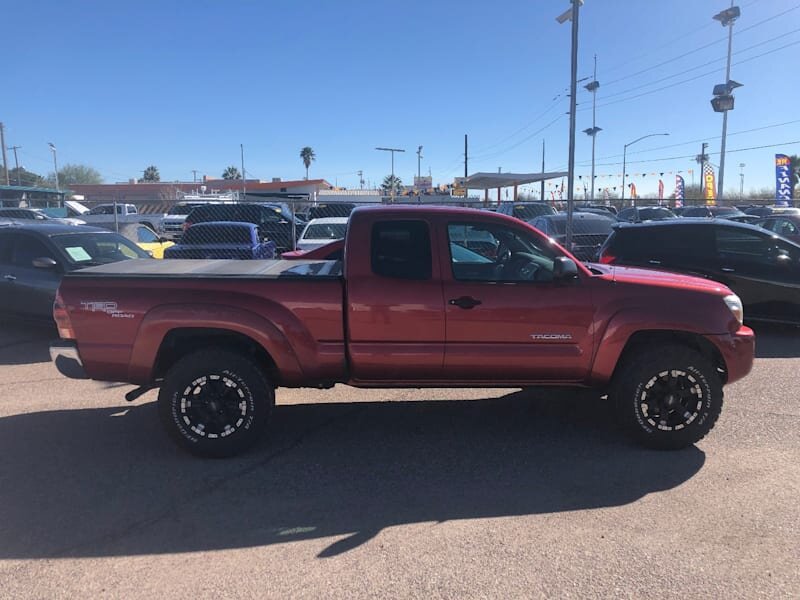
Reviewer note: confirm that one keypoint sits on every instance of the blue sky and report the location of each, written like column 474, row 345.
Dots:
column 180, row 84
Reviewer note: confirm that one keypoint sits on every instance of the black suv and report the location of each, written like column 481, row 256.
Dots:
column 525, row 211
column 762, row 268
column 273, row 222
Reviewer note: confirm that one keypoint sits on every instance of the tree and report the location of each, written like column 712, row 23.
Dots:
column 151, row 174
column 308, row 156
column 391, row 184
column 26, row 178
column 72, row 174
column 231, row 173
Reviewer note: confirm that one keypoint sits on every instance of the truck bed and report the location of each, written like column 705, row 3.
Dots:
column 214, row 269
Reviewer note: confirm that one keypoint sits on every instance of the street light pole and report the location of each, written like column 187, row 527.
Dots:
column 392, row 151
column 592, row 87
column 576, row 6
column 741, row 179
column 625, row 156
column 726, row 18
column 55, row 163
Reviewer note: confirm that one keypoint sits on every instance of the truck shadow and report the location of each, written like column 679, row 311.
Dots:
column 107, row 482
column 23, row 343
column 777, row 341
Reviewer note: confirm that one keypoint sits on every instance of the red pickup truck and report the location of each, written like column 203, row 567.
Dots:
column 423, row 297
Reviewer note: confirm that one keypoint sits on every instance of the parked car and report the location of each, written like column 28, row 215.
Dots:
column 639, row 214
column 35, row 214
column 785, row 225
column 719, row 212
column 589, row 231
column 331, row 209
column 762, row 268
column 330, row 251
column 222, row 239
column 273, row 222
column 102, row 215
column 597, row 207
column 765, row 211
column 34, row 257
column 147, row 239
column 525, row 211
column 743, row 218
column 406, row 309
column 319, row 232
column 172, row 223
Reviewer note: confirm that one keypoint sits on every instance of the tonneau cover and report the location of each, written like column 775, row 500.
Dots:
column 222, row 269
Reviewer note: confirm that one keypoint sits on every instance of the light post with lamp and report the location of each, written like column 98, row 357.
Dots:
column 625, row 156
column 55, row 163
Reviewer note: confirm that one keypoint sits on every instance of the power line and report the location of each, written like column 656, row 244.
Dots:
column 703, row 47
column 519, row 143
column 714, row 137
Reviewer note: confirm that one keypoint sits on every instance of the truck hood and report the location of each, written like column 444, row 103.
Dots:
column 666, row 279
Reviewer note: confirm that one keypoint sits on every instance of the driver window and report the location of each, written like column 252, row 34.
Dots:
column 498, row 253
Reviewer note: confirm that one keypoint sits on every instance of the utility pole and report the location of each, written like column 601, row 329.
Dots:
column 741, row 179
column 244, row 176
column 466, row 173
column 5, row 159
column 576, row 9
column 592, row 87
column 701, row 160
column 16, row 161
column 55, row 165
column 194, row 175
column 360, row 179
column 541, row 189
column 419, row 158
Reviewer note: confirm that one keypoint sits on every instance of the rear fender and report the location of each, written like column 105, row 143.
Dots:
column 163, row 319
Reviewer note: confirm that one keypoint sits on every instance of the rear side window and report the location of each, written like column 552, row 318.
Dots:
column 401, row 249
column 637, row 243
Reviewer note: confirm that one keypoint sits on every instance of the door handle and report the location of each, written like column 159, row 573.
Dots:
column 727, row 269
column 9, row 277
column 465, row 302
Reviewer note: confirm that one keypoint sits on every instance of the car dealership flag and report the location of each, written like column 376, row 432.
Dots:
column 709, row 184
column 783, row 180
column 660, row 190
column 680, row 190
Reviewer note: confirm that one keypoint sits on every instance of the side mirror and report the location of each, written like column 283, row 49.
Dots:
column 564, row 269
column 44, row 262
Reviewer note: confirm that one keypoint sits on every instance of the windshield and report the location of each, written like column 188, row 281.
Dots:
column 182, row 209
column 217, row 234
column 87, row 249
column 325, row 231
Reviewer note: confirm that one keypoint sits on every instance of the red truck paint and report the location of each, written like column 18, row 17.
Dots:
column 372, row 331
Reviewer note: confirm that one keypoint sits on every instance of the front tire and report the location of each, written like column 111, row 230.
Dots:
column 667, row 398
column 215, row 403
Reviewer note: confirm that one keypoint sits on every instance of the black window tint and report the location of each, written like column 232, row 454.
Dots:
column 742, row 244
column 663, row 242
column 401, row 249
column 28, row 248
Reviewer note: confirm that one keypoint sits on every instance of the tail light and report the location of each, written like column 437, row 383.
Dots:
column 61, row 317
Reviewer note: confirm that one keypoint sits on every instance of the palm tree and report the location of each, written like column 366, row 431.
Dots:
column 391, row 184
column 151, row 174
column 231, row 173
column 308, row 156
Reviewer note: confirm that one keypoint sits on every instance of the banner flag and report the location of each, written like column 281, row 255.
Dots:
column 709, row 184
column 783, row 180
column 680, row 190
column 660, row 190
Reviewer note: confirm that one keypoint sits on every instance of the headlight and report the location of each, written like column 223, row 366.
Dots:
column 734, row 303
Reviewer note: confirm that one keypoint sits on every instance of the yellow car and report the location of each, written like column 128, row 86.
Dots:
column 145, row 238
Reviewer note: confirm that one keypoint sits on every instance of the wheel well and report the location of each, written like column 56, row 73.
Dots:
column 650, row 338
column 180, row 342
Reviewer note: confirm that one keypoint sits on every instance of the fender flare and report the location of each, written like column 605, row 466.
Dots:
column 159, row 321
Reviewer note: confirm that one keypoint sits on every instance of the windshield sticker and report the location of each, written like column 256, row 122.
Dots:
column 77, row 253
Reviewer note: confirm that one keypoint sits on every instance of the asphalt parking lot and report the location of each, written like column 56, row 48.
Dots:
column 401, row 493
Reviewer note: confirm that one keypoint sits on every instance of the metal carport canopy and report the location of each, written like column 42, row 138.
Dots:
column 488, row 181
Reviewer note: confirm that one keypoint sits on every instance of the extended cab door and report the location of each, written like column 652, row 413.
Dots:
column 395, row 309
column 507, row 319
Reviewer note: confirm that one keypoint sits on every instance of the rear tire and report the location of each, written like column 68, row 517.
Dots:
column 215, row 403
column 667, row 398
